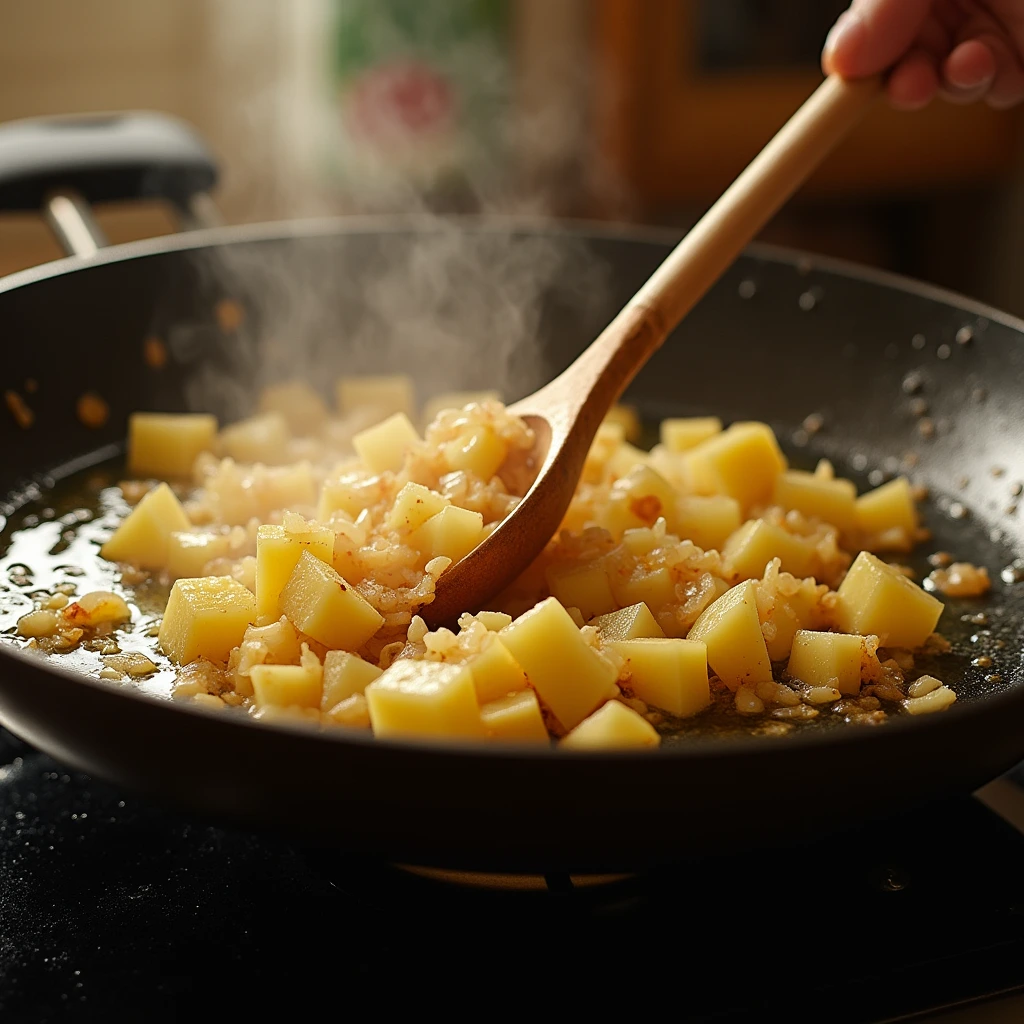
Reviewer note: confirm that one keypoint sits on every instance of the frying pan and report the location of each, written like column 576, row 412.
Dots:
column 783, row 335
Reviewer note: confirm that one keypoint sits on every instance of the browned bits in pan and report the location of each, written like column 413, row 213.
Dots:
column 918, row 406
column 154, row 352
column 229, row 314
column 22, row 414
column 92, row 410
column 926, row 428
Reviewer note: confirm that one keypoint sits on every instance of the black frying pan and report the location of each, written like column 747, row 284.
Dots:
column 781, row 336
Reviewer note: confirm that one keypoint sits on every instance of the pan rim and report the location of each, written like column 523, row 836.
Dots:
column 312, row 227
column 697, row 747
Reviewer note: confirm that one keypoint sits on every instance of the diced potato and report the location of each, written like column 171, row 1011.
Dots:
column 349, row 494
column 345, row 674
column 414, row 505
column 188, row 553
column 742, row 462
column 828, row 659
column 324, row 606
column 731, row 629
column 387, row 394
column 496, row 673
column 889, row 507
column 424, row 698
column 289, row 487
column 452, row 533
column 515, row 718
column 287, row 686
column 383, row 447
column 757, row 542
column 96, row 608
column 277, row 554
column 790, row 613
column 586, row 587
column 143, row 538
column 479, row 450
column 612, row 727
column 668, row 674
column 814, row 494
column 626, row 417
column 205, row 618
column 258, row 439
column 707, row 520
column 303, row 409
column 353, row 712
column 166, row 444
column 624, row 459
column 493, row 621
column 456, row 400
column 654, row 587
column 639, row 499
column 680, row 435
column 569, row 675
column 668, row 464
column 633, row 623
column 876, row 598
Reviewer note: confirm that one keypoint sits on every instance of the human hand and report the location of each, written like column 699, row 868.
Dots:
column 965, row 50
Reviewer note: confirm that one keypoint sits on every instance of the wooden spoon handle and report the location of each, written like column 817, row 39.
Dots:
column 602, row 373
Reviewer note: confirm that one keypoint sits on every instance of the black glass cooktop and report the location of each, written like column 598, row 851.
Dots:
column 112, row 909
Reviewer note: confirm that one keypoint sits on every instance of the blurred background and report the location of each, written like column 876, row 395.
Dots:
column 628, row 110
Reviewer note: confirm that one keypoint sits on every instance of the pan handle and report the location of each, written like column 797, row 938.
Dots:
column 61, row 165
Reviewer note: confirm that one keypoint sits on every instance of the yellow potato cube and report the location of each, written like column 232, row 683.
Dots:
column 680, row 435
column 668, row 674
column 828, row 659
column 286, row 686
column 707, row 520
column 790, row 613
column 639, row 499
column 205, row 618
column 569, row 675
column 515, row 718
column 188, row 553
column 613, row 727
column 633, row 623
column 496, row 673
column 731, row 629
column 624, row 459
column 742, row 462
column 626, row 417
column 353, row 712
column 479, row 451
column 277, row 554
column 323, row 605
column 258, row 439
column 414, row 505
column 813, row 494
column 387, row 394
column 876, row 598
column 452, row 533
column 345, row 674
column 757, row 542
column 303, row 409
column 166, row 444
column 383, row 447
column 456, row 400
column 586, row 587
column 144, row 536
column 655, row 588
column 424, row 698
column 889, row 507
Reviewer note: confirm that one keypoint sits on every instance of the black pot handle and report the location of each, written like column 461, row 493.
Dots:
column 59, row 165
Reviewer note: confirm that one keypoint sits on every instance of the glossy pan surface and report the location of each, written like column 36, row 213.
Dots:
column 780, row 337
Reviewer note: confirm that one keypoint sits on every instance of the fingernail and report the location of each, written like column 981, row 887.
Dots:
column 844, row 34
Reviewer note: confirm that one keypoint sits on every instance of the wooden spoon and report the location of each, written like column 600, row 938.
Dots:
column 566, row 413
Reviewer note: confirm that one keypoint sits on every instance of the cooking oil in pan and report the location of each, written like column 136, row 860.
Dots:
column 51, row 545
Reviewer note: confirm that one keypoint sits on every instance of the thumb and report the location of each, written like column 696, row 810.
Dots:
column 872, row 35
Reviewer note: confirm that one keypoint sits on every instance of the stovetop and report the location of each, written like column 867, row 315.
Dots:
column 114, row 909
